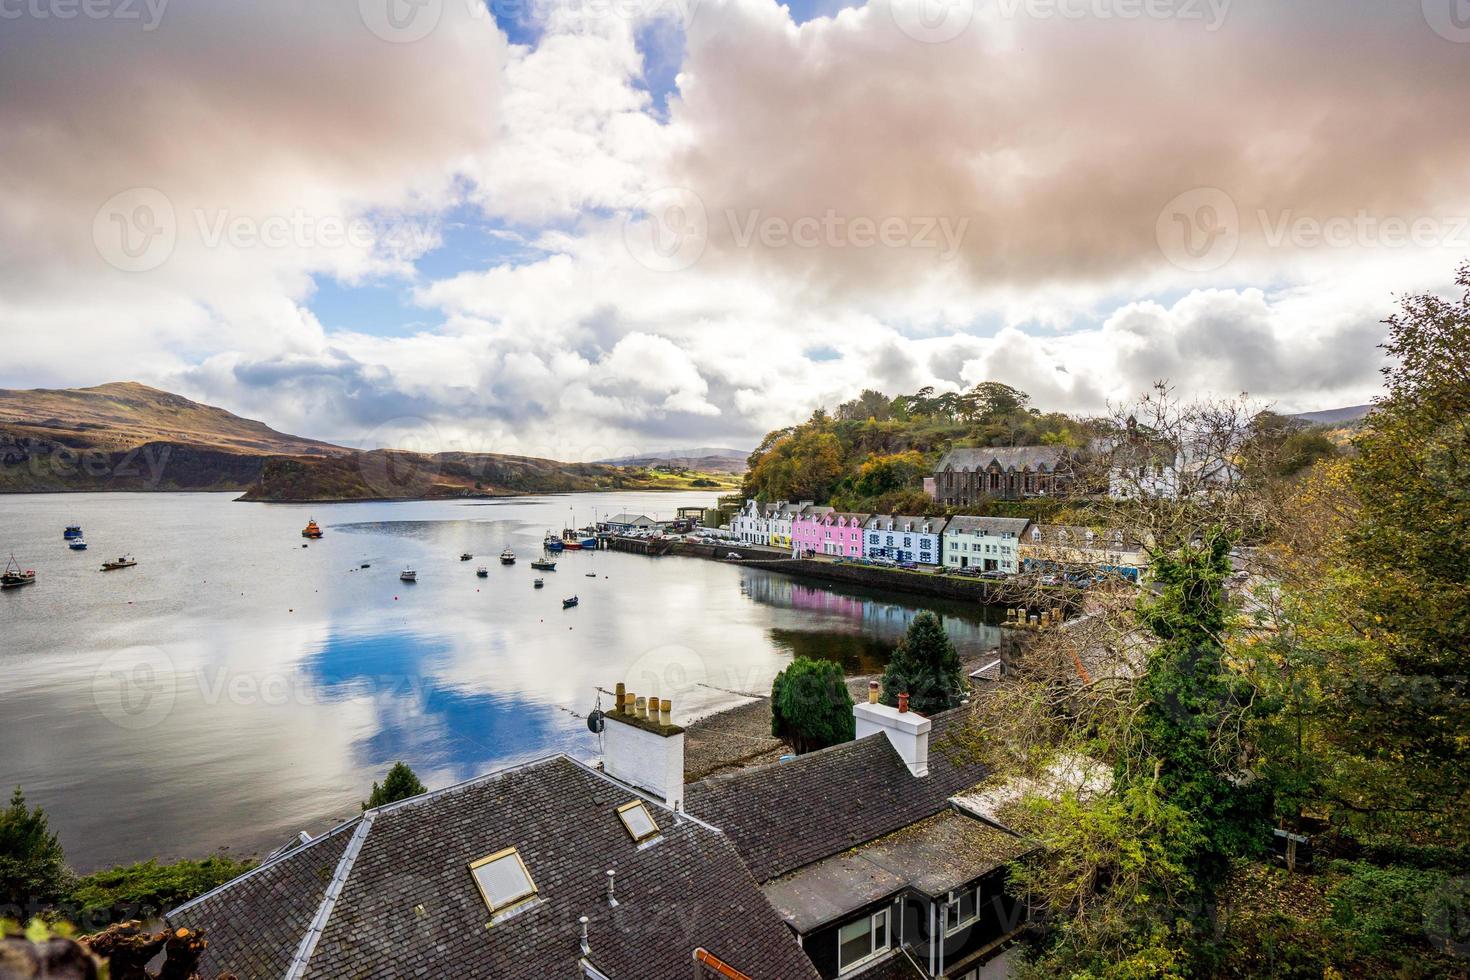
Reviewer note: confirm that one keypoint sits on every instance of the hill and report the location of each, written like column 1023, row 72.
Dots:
column 1335, row 416
column 703, row 459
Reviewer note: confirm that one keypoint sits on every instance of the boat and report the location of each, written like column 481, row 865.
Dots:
column 544, row 564
column 72, row 531
column 366, row 564
column 312, row 530
column 409, row 575
column 465, row 556
column 483, row 572
column 570, row 541
column 124, row 561
column 591, row 574
column 14, row 577
column 538, row 583
column 507, row 557
column 569, row 603
column 77, row 544
column 589, row 543
column 551, row 542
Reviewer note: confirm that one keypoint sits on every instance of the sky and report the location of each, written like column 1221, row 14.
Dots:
column 587, row 228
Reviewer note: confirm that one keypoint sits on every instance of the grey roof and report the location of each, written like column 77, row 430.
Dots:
column 987, row 525
column 629, row 519
column 390, row 894
column 1072, row 536
column 904, row 523
column 1006, row 457
column 934, row 856
column 785, row 815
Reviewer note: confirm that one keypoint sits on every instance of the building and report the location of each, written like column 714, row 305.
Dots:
column 902, row 538
column 1141, row 466
column 863, row 852
column 628, row 523
column 752, row 523
column 783, row 522
column 965, row 477
column 550, row 869
column 1065, row 549
column 824, row 531
column 991, row 544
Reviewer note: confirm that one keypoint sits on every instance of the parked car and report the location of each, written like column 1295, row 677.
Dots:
column 910, row 565
column 735, row 555
column 995, row 574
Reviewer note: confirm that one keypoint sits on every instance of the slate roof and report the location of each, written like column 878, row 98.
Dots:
column 785, row 815
column 629, row 519
column 407, row 905
column 1006, row 457
column 904, row 523
column 987, row 525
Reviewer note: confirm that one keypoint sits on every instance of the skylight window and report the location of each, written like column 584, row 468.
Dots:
column 637, row 821
column 503, row 880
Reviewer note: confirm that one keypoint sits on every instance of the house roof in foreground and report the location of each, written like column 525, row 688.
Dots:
column 788, row 814
column 390, row 893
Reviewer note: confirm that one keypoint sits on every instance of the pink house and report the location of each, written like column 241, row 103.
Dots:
column 824, row 531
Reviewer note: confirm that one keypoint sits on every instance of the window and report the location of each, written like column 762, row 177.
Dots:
column 503, row 880
column 862, row 941
column 963, row 911
column 637, row 821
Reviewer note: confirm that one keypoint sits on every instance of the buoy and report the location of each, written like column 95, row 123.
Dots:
column 395, row 598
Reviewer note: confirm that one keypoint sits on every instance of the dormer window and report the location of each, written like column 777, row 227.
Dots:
column 503, row 880
column 637, row 821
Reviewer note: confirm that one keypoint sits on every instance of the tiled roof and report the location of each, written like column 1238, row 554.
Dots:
column 905, row 523
column 1006, row 457
column 785, row 815
column 408, row 906
column 986, row 525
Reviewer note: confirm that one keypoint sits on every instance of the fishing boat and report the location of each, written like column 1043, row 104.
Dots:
column 570, row 541
column 312, row 530
column 465, row 556
column 14, row 577
column 544, row 564
column 77, row 544
column 125, row 561
column 507, row 557
column 539, row 583
column 551, row 542
column 591, row 574
column 409, row 575
column 569, row 603
column 72, row 531
column 483, row 572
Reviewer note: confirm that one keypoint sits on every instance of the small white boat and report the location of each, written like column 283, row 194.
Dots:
column 507, row 557
column 409, row 575
column 482, row 572
column 77, row 544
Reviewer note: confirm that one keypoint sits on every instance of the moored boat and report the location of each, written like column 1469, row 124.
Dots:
column 312, row 529
column 77, row 544
column 14, row 576
column 538, row 583
column 544, row 564
column 483, row 572
column 569, row 603
column 409, row 575
column 465, row 556
column 507, row 557
column 72, row 531
column 551, row 542
column 123, row 561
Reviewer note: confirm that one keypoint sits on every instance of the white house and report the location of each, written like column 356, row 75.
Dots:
column 991, row 544
column 752, row 525
column 903, row 538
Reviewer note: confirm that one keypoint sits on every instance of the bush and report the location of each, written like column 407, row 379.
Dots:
column 400, row 784
column 1382, row 909
column 810, row 705
column 147, row 889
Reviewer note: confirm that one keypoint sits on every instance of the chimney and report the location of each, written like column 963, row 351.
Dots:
column 907, row 731
column 642, row 747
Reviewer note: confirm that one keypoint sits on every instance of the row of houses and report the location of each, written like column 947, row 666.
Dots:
column 988, row 544
column 874, row 859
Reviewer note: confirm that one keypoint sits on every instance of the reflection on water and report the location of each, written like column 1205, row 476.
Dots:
column 236, row 687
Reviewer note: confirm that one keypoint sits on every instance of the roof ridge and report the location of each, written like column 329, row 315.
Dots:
column 318, row 924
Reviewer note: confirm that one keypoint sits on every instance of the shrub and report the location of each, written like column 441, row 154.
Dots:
column 400, row 784
column 926, row 667
column 810, row 705
column 147, row 889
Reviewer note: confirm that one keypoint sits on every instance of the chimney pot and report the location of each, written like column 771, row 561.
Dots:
column 666, row 707
column 629, row 701
column 641, row 708
column 903, row 703
column 872, row 692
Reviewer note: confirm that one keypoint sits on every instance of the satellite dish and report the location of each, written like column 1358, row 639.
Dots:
column 594, row 722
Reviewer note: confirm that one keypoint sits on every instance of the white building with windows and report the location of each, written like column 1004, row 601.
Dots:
column 991, row 544
column 902, row 538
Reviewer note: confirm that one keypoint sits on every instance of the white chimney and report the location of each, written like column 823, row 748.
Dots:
column 907, row 732
column 644, row 749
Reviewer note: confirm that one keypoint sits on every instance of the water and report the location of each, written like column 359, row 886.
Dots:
column 235, row 688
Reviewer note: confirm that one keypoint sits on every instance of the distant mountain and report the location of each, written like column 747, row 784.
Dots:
column 704, row 459
column 128, row 436
column 1335, row 416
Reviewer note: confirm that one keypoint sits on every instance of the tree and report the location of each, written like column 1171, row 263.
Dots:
column 33, row 868
column 926, row 667
column 810, row 705
column 400, row 784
